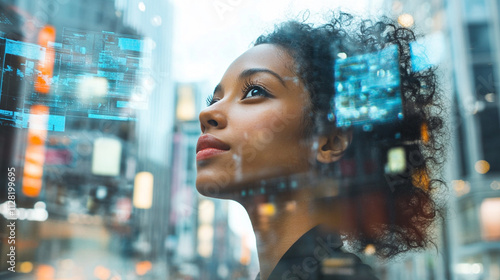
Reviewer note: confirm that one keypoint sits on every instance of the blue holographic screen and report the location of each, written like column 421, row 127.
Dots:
column 82, row 55
column 368, row 89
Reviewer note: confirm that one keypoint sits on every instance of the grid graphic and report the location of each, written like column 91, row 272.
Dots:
column 97, row 75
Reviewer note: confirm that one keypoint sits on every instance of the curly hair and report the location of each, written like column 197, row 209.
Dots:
column 410, row 198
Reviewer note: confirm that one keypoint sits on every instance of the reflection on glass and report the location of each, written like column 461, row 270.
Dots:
column 99, row 104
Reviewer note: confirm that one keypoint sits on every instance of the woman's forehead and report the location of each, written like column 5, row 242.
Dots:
column 265, row 56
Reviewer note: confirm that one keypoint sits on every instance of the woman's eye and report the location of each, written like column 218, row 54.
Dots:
column 256, row 91
column 211, row 100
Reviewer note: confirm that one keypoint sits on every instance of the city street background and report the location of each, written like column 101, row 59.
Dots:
column 106, row 190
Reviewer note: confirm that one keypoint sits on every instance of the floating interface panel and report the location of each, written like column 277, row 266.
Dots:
column 368, row 90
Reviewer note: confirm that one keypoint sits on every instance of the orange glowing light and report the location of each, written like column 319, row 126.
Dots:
column 32, row 185
column 141, row 268
column 420, row 179
column 424, row 132
column 46, row 65
column 45, row 272
column 35, row 150
column 35, row 138
column 482, row 167
column 370, row 250
column 267, row 209
column 35, row 153
column 102, row 273
column 26, row 267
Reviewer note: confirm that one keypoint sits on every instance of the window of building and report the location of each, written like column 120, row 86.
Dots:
column 484, row 81
column 490, row 137
column 479, row 41
column 470, row 232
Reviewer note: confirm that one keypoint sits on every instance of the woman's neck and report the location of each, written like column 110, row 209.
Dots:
column 278, row 225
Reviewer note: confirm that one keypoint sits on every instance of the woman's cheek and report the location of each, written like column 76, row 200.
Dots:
column 248, row 153
column 265, row 136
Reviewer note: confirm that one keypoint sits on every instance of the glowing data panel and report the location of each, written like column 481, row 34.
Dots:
column 367, row 89
column 95, row 75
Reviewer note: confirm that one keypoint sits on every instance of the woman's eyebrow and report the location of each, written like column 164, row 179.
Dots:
column 249, row 72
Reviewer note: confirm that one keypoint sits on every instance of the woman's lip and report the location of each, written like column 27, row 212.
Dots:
column 207, row 153
column 209, row 141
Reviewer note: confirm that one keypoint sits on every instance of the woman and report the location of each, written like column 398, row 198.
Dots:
column 273, row 141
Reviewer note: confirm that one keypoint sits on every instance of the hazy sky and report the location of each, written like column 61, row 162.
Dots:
column 210, row 34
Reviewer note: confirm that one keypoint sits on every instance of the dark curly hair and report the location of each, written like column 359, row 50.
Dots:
column 409, row 198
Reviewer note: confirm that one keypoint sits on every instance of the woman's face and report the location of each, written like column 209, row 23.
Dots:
column 254, row 127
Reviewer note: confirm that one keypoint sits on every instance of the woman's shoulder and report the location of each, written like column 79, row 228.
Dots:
column 318, row 254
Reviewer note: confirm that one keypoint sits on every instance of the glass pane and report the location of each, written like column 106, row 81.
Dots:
column 218, row 140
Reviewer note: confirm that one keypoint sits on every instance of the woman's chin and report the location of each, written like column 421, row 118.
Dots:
column 213, row 188
column 218, row 188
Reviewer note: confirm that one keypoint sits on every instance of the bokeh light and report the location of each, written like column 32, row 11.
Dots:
column 141, row 268
column 102, row 273
column 406, row 20
column 141, row 6
column 369, row 250
column 26, row 267
column 482, row 167
column 44, row 271
column 267, row 209
column 460, row 187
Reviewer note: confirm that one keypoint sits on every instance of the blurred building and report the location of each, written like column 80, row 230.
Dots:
column 469, row 248
column 475, row 228
column 109, row 120
column 183, row 228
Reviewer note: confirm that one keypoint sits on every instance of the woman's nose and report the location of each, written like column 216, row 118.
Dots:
column 213, row 117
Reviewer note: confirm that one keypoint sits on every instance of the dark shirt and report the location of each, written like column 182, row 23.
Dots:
column 317, row 256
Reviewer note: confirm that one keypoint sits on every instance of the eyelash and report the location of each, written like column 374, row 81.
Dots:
column 210, row 100
column 247, row 86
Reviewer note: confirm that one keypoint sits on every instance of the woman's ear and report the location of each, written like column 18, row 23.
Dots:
column 332, row 147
